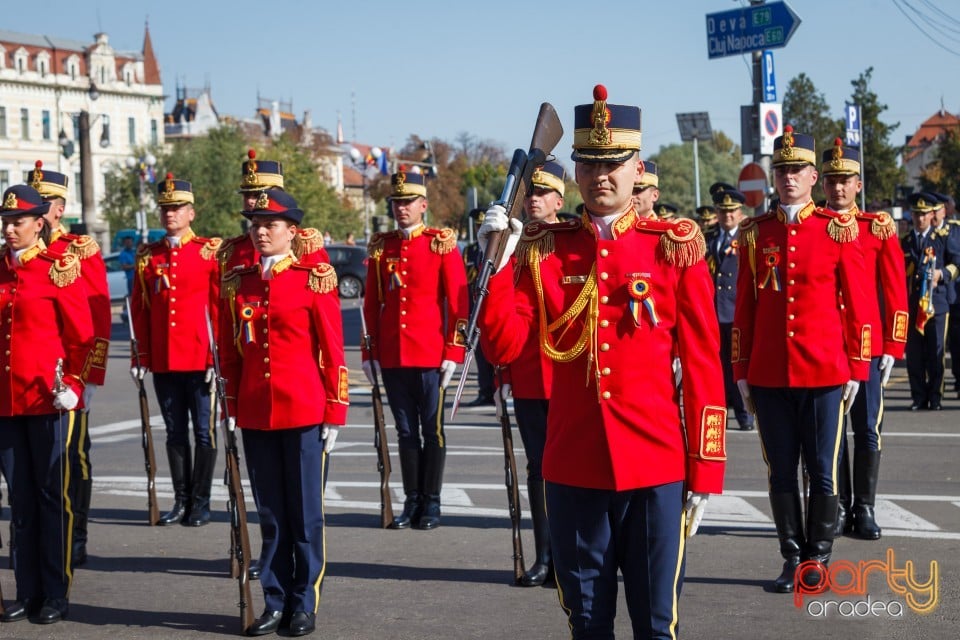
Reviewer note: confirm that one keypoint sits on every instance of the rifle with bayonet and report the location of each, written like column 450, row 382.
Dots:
column 379, row 433
column 146, row 436
column 513, row 491
column 236, row 505
column 546, row 134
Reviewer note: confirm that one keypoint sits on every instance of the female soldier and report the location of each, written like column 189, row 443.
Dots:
column 287, row 386
column 49, row 353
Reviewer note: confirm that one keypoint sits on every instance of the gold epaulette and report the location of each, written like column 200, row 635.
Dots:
column 143, row 256
column 322, row 278
column 442, row 241
column 882, row 224
column 747, row 236
column 227, row 247
column 307, row 241
column 83, row 247
column 681, row 242
column 210, row 246
column 229, row 285
column 842, row 227
column 375, row 246
column 65, row 268
column 537, row 239
column 942, row 231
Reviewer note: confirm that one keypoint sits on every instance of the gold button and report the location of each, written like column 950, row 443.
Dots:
column 793, row 248
column 173, row 311
column 793, row 265
column 264, row 331
column 791, row 317
column 266, row 303
column 265, row 345
column 404, row 259
column 7, row 367
column 604, row 275
column 793, row 232
column 404, row 272
column 403, row 286
column 266, row 287
column 9, row 304
column 173, row 324
column 266, row 359
column 403, row 312
column 790, row 334
column 604, row 253
column 605, row 347
column 606, row 395
column 605, row 299
column 8, row 351
column 604, row 323
column 173, row 264
column 173, row 299
column 403, row 326
column 791, row 299
column 266, row 375
column 605, row 371
column 792, row 282
column 403, row 298
column 173, row 287
column 8, row 336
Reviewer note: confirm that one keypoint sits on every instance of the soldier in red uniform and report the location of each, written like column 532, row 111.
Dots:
column 530, row 378
column 52, row 186
column 884, row 264
column 798, row 355
column 416, row 299
column 287, row 387
column 177, row 279
column 49, row 355
column 646, row 191
column 610, row 298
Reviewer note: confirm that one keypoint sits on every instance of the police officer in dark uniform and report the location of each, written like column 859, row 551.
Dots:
column 665, row 210
column 943, row 225
column 932, row 260
column 722, row 259
column 707, row 217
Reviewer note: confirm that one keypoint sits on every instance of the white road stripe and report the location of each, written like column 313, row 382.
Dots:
column 891, row 515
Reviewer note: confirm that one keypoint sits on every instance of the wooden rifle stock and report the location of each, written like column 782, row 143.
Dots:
column 513, row 491
column 379, row 435
column 146, row 434
column 236, row 504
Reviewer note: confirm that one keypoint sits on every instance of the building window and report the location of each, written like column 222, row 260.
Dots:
column 77, row 192
column 45, row 115
column 72, row 67
column 132, row 131
column 76, row 128
column 4, row 180
column 43, row 68
column 153, row 133
column 103, row 75
column 3, row 122
column 25, row 124
column 105, row 134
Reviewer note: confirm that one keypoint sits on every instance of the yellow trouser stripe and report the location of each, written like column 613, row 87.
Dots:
column 323, row 569
column 67, row 551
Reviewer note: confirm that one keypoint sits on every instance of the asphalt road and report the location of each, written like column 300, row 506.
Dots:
column 159, row 582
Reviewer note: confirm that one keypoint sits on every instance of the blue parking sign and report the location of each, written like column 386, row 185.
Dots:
column 852, row 116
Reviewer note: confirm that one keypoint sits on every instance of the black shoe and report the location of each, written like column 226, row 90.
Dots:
column 539, row 574
column 53, row 610
column 748, row 426
column 254, row 571
column 936, row 407
column 430, row 518
column 917, row 406
column 784, row 582
column 481, row 401
column 176, row 515
column 20, row 610
column 78, row 556
column 199, row 513
column 302, row 623
column 269, row 622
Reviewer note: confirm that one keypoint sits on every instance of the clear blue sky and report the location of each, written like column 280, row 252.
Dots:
column 437, row 68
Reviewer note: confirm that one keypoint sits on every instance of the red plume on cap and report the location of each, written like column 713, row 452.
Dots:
column 599, row 92
column 788, row 128
column 38, row 164
column 251, row 153
column 169, row 176
column 837, row 142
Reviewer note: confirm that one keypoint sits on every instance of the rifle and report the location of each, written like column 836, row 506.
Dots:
column 146, row 437
column 546, row 134
column 379, row 435
column 513, row 491
column 236, row 506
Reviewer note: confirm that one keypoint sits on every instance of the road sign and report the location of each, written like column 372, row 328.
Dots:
column 753, row 184
column 771, row 126
column 854, row 127
column 769, row 79
column 764, row 26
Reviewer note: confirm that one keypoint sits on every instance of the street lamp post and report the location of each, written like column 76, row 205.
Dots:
column 360, row 164
column 84, row 123
column 142, row 166
column 695, row 126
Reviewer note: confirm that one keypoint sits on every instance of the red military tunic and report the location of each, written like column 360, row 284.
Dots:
column 93, row 272
column 239, row 252
column 615, row 417
column 531, row 374
column 284, row 360
column 789, row 328
column 884, row 263
column 46, row 316
column 416, row 298
column 172, row 289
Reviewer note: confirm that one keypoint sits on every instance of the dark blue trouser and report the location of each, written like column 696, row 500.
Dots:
column 595, row 532
column 795, row 421
column 734, row 399
column 185, row 398
column 416, row 401
column 925, row 360
column 531, row 418
column 80, row 448
column 866, row 415
column 286, row 469
column 42, row 513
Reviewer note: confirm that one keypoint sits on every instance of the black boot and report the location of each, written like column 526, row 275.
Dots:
column 410, row 471
column 844, row 518
column 789, row 520
column 821, row 520
column 866, row 467
column 81, row 509
column 542, row 569
column 179, row 457
column 433, row 459
column 203, row 465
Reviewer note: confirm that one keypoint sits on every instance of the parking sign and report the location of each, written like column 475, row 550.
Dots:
column 853, row 124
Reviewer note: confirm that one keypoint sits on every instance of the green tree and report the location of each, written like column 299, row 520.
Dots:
column 807, row 111
column 720, row 161
column 881, row 174
column 943, row 174
column 121, row 200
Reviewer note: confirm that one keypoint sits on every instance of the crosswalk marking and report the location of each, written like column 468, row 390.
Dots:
column 891, row 515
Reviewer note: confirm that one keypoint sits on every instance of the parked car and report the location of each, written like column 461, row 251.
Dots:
column 350, row 263
column 116, row 277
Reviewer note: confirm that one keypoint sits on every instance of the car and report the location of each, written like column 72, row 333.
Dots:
column 116, row 277
column 350, row 264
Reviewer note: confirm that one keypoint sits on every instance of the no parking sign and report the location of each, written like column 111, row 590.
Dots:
column 771, row 125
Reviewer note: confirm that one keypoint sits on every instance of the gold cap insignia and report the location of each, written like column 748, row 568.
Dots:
column 37, row 175
column 600, row 134
column 263, row 201
column 836, row 157
column 10, row 202
column 786, row 152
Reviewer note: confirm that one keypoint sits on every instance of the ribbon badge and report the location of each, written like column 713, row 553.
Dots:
column 163, row 280
column 772, row 277
column 640, row 297
column 732, row 248
column 246, row 315
column 393, row 268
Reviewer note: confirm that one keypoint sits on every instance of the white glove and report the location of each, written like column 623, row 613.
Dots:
column 886, row 368
column 745, row 394
column 367, row 365
column 137, row 373
column 447, row 367
column 696, row 504
column 230, row 424
column 210, row 377
column 677, row 372
column 88, row 392
column 500, row 397
column 329, row 435
column 849, row 395
column 496, row 220
column 66, row 400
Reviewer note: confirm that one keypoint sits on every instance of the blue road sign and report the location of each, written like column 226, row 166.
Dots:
column 769, row 79
column 852, row 116
column 764, row 26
